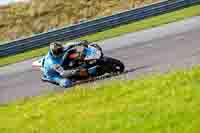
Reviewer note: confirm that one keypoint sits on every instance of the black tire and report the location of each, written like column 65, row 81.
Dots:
column 112, row 65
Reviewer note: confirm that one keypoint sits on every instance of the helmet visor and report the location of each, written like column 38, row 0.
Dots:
column 57, row 52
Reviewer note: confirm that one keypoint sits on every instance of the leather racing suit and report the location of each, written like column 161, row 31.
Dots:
column 58, row 75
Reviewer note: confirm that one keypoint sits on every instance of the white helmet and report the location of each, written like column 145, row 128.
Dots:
column 56, row 48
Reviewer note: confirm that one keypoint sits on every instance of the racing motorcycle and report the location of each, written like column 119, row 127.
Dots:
column 93, row 57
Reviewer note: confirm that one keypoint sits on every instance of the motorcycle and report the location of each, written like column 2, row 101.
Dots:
column 93, row 56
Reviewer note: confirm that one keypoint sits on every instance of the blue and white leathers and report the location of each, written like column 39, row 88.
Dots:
column 50, row 74
column 53, row 76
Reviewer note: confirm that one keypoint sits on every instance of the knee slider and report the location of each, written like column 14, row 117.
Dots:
column 65, row 83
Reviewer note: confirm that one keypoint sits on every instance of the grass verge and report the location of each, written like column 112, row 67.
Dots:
column 166, row 103
column 140, row 25
column 21, row 19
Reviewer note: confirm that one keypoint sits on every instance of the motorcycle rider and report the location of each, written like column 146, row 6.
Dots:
column 53, row 70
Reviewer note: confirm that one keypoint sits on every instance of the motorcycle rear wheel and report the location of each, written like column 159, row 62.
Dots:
column 112, row 65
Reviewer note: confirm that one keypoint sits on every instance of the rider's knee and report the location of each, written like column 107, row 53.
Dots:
column 65, row 83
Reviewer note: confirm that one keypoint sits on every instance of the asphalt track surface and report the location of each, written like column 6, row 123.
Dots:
column 173, row 46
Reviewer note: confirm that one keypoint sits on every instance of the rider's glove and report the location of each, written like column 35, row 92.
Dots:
column 77, row 72
column 81, row 72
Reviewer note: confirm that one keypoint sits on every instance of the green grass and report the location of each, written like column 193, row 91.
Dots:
column 168, row 103
column 144, row 24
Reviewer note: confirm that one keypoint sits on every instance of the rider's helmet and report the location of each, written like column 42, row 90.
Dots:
column 56, row 48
